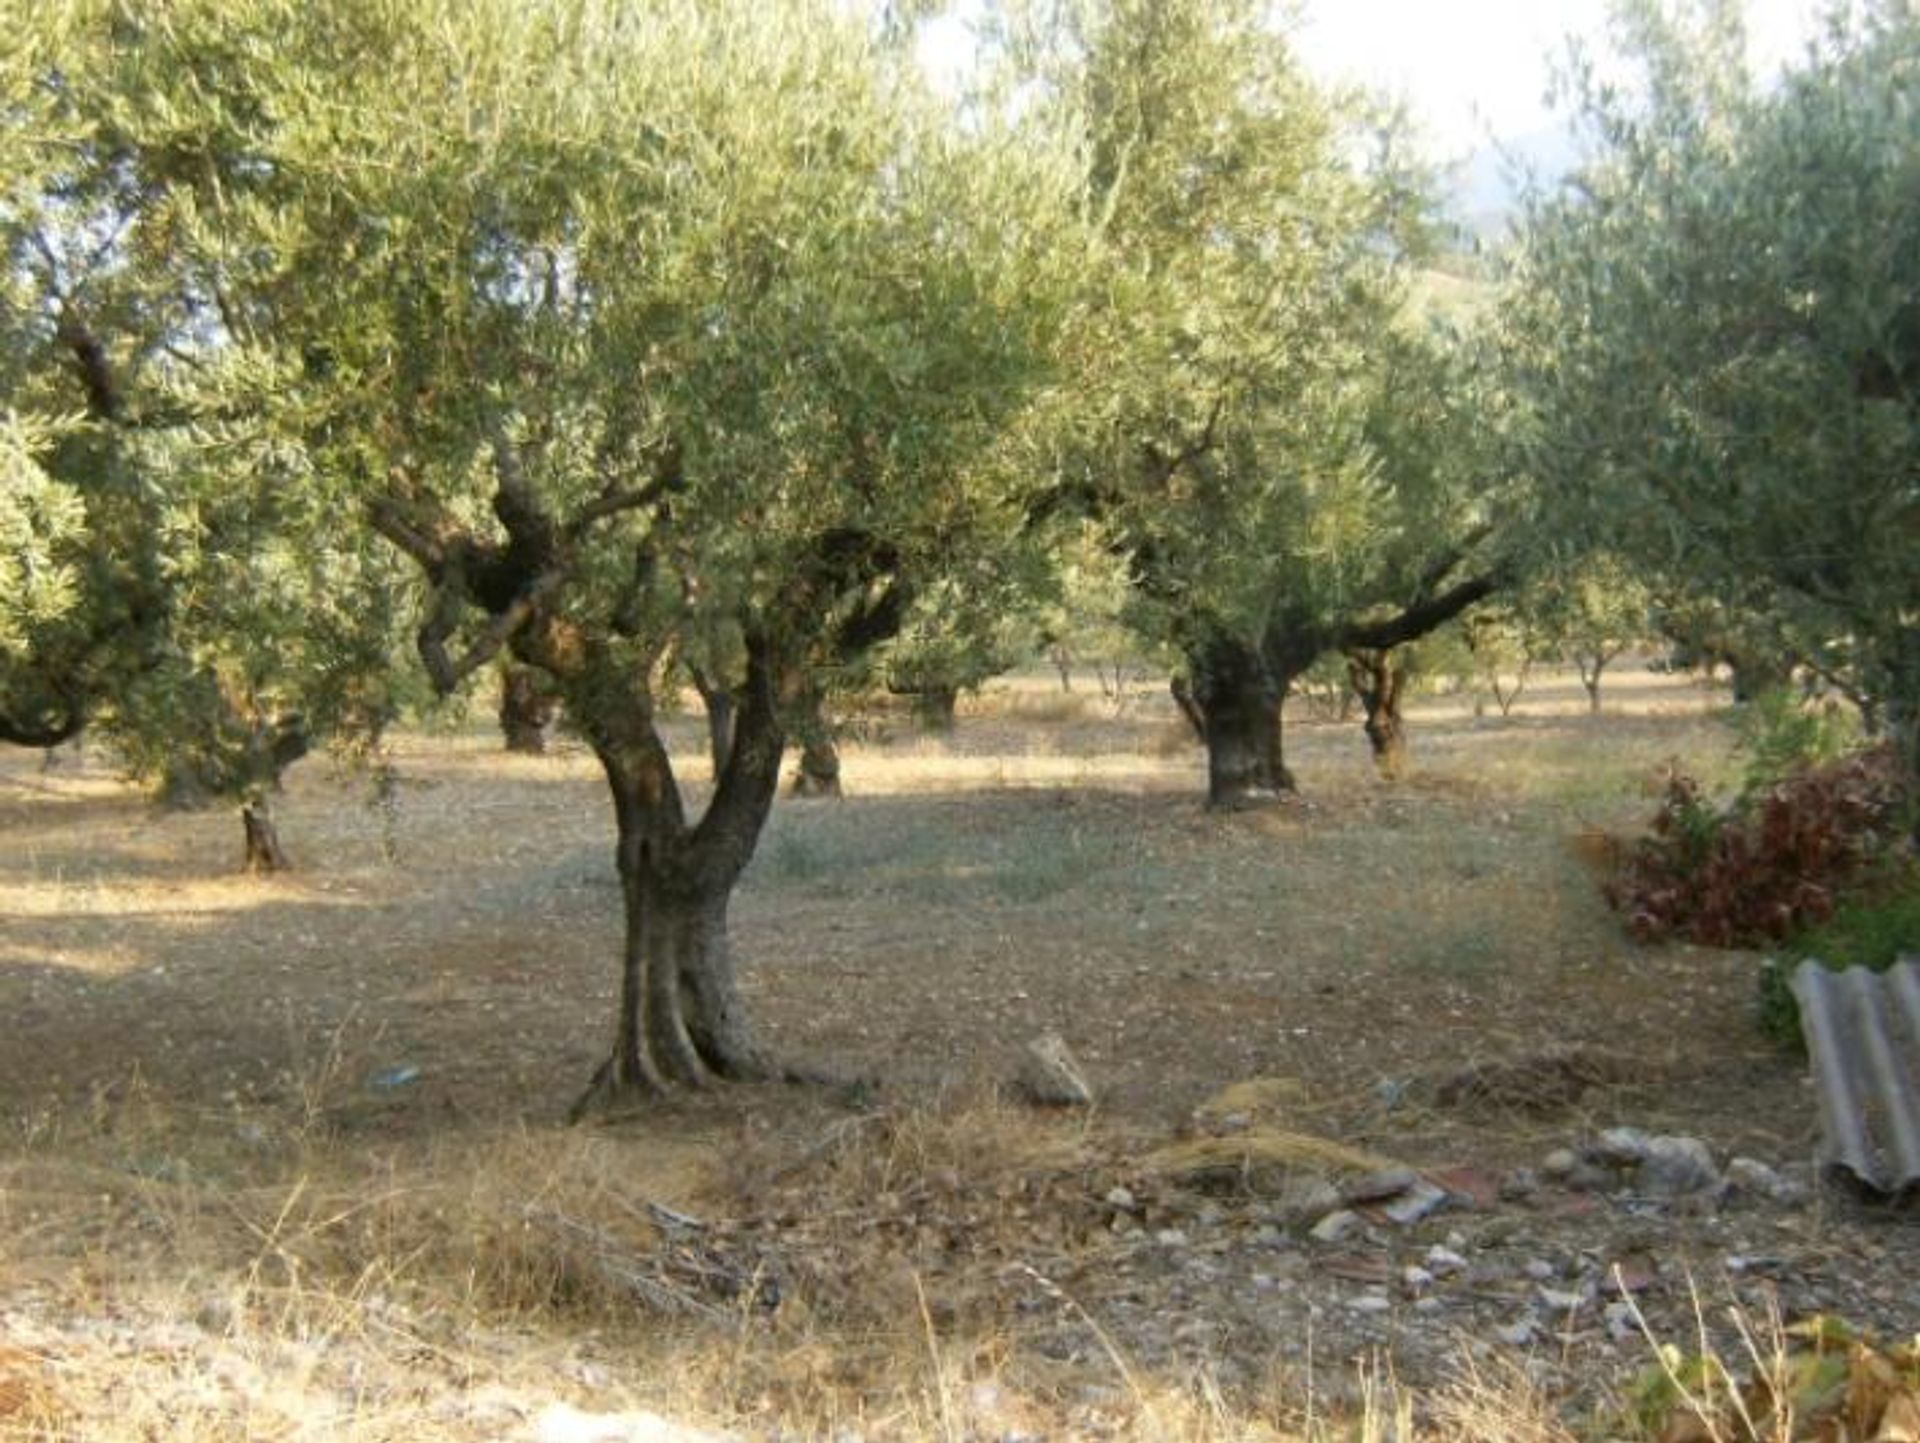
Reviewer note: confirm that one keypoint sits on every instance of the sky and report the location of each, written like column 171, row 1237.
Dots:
column 1475, row 69
column 1471, row 70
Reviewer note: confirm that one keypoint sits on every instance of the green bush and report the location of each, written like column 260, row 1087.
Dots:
column 1782, row 735
column 1873, row 930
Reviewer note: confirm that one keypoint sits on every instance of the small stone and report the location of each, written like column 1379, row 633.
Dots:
column 1306, row 1197
column 1419, row 1202
column 1620, row 1146
column 1559, row 1162
column 1521, row 1183
column 1415, row 1279
column 1378, row 1186
column 1516, row 1335
column 1444, row 1262
column 1121, row 1198
column 1676, row 1167
column 1620, row 1322
column 1539, row 1269
column 1753, row 1177
column 1049, row 1076
column 1336, row 1226
column 1428, row 1304
column 1392, row 1091
column 1234, row 1122
column 1170, row 1238
column 1555, row 1300
column 1588, row 1177
column 1267, row 1236
column 1370, row 1303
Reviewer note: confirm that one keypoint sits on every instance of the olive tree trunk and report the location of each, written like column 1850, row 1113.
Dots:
column 527, row 707
column 1379, row 677
column 717, row 701
column 818, row 771
column 681, row 1020
column 263, row 850
column 1234, row 698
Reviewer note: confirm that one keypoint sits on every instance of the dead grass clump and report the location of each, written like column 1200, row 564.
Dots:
column 1044, row 708
column 525, row 1226
column 1535, row 1085
column 1502, row 1403
column 1260, row 1159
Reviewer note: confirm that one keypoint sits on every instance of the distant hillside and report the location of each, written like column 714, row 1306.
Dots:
column 1486, row 185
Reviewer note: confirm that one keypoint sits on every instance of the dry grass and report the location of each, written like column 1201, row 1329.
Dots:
column 219, row 1218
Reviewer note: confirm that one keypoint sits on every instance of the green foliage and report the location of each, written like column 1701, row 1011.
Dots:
column 1273, row 431
column 1782, row 734
column 1872, row 928
column 43, row 539
column 1713, row 346
column 178, row 573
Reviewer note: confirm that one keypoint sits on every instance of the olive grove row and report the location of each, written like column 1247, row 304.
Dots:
column 349, row 350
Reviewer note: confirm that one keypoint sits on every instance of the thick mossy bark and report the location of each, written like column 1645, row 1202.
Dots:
column 717, row 701
column 818, row 771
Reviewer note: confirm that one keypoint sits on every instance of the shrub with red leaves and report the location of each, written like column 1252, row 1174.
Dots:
column 1777, row 861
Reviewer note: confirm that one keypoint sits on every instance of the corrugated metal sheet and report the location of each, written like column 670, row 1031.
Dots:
column 1863, row 1035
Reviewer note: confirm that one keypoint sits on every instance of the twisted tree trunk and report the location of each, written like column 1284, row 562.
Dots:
column 818, row 774
column 527, row 708
column 263, row 850
column 1380, row 680
column 681, row 1020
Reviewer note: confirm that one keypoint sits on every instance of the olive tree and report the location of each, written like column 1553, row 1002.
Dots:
column 179, row 587
column 1716, row 339
column 638, row 324
column 1278, row 442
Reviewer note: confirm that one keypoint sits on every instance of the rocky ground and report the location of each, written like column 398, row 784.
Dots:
column 1377, row 1082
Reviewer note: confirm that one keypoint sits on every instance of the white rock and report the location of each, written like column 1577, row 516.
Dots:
column 1444, row 1262
column 1336, row 1225
column 1516, row 1335
column 1559, row 1162
column 1555, row 1300
column 1120, row 1197
column 1370, row 1303
column 1620, row 1146
column 1421, row 1200
column 1620, row 1322
column 1750, row 1175
column 1539, row 1269
column 1378, row 1186
column 1675, row 1166
column 1415, row 1279
column 1049, row 1076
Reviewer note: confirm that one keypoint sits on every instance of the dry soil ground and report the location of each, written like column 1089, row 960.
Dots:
column 323, row 1112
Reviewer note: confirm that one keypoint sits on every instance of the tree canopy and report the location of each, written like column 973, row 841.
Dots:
column 1278, row 441
column 1716, row 354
